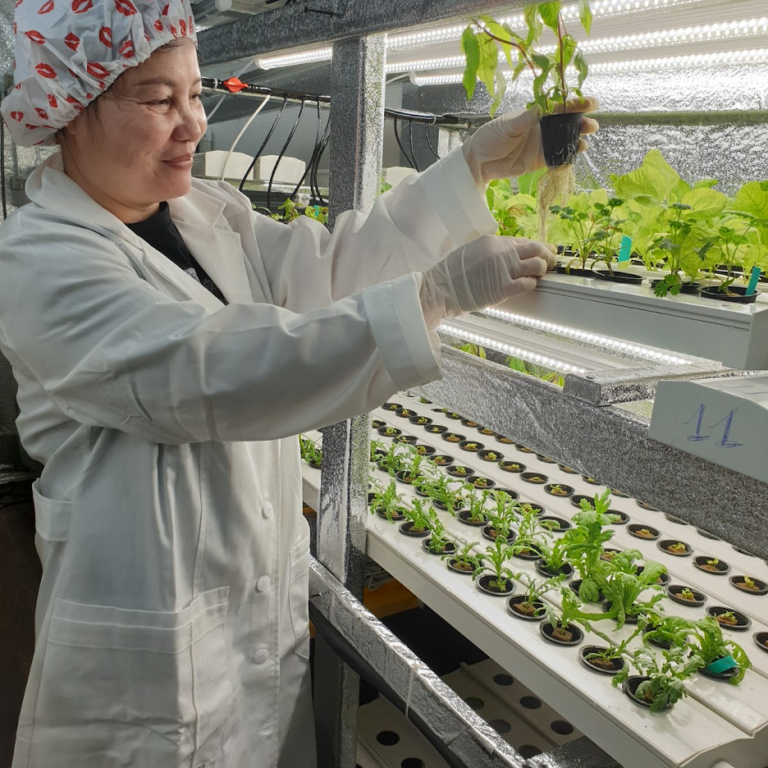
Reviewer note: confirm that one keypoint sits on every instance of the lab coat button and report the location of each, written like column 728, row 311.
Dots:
column 263, row 584
column 268, row 510
column 260, row 656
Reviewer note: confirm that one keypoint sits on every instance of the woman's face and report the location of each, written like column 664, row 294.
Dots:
column 136, row 151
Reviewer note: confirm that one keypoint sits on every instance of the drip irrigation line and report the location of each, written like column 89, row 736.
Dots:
column 326, row 141
column 264, row 144
column 410, row 143
column 281, row 155
column 2, row 167
column 308, row 168
column 240, row 135
column 400, row 144
column 429, row 141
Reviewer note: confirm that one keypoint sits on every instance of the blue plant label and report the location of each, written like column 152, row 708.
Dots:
column 722, row 665
column 625, row 249
column 754, row 277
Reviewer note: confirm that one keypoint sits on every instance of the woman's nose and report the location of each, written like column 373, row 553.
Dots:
column 191, row 125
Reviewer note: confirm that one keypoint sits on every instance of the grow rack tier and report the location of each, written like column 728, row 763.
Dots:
column 732, row 334
column 717, row 721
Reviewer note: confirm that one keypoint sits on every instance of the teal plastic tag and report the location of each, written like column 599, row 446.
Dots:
column 722, row 665
column 752, row 287
column 625, row 249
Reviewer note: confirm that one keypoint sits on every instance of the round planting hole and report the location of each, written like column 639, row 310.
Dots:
column 503, row 679
column 528, row 751
column 562, row 727
column 475, row 702
column 500, row 726
column 412, row 762
column 530, row 702
column 387, row 738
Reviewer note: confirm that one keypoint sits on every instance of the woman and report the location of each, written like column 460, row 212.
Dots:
column 168, row 343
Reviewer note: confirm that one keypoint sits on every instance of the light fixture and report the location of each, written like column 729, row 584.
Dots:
column 600, row 9
column 670, row 63
column 636, row 350
column 683, row 36
column 509, row 349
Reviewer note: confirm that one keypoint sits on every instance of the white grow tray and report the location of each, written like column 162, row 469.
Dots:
column 716, row 722
column 733, row 334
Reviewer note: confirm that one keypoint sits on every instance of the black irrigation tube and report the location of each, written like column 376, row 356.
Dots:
column 410, row 143
column 429, row 141
column 264, row 143
column 282, row 154
column 318, row 139
column 402, row 148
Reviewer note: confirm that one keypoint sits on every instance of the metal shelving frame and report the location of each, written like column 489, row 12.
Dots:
column 607, row 442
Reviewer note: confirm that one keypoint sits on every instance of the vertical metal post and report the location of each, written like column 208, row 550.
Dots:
column 357, row 131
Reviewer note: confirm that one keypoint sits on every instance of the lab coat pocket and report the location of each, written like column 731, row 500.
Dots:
column 298, row 597
column 151, row 687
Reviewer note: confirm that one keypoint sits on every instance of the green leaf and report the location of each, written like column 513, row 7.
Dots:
column 470, row 47
column 585, row 15
column 705, row 203
column 569, row 48
column 500, row 88
column 705, row 183
column 654, row 180
column 533, row 23
column 550, row 14
column 528, row 183
column 753, row 198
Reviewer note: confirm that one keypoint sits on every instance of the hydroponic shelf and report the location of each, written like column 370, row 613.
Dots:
column 717, row 722
column 733, row 334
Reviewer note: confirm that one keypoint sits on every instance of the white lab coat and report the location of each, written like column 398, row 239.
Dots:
column 172, row 625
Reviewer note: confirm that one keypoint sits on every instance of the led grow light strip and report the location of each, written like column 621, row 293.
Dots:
column 523, row 354
column 600, row 9
column 696, row 60
column 591, row 338
column 682, row 36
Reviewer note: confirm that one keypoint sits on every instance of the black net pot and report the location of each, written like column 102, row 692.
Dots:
column 576, row 585
column 484, row 585
column 553, row 634
column 490, row 533
column 617, row 276
column 555, row 524
column 537, row 612
column 630, row 687
column 560, row 138
column 758, row 587
column 566, row 570
column 674, row 591
column 394, row 518
column 448, row 549
column 420, row 421
column 406, row 529
column 643, row 532
column 741, row 624
column 708, row 565
column 735, row 294
column 761, row 639
column 442, row 459
column 612, row 668
column 724, row 676
column 465, row 517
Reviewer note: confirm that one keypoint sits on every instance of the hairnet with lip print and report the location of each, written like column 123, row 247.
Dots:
column 68, row 52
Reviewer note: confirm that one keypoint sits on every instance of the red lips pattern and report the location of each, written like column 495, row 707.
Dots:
column 46, row 70
column 72, row 41
column 41, row 113
column 126, row 7
column 81, row 6
column 126, row 49
column 18, row 116
column 105, row 35
column 35, row 37
column 97, row 70
column 52, row 101
column 46, row 8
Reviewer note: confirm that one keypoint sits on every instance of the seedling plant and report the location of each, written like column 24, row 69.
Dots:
column 495, row 559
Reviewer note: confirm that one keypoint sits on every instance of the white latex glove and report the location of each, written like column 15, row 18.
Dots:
column 481, row 274
column 510, row 145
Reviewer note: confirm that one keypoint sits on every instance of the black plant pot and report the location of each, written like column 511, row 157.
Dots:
column 514, row 495
column 453, row 565
column 569, row 470
column 524, row 448
column 688, row 288
column 629, row 618
column 555, row 524
column 420, row 421
column 504, row 440
column 465, row 517
column 470, row 423
column 406, row 529
column 736, row 294
column 538, row 614
column 436, row 429
column 618, row 518
column 616, row 665
column 530, row 554
column 560, row 138
column 453, row 437
column 566, row 570
column 721, row 676
column 393, row 431
column 442, row 459
column 482, row 483
column 761, row 588
column 484, row 585
column 564, row 490
column 394, row 519
column 634, row 530
column 674, row 591
column 515, row 467
column 742, row 622
column 424, row 450
column 761, row 639
column 617, row 276
column 439, row 504
column 471, row 446
column 406, row 478
column 455, row 470
column 630, row 686
column 449, row 548
column 316, row 464
column 548, row 632
column 649, row 507
column 406, row 439
column 577, row 498
column 490, row 533
column 536, row 478
column 487, row 431
column 491, row 455
column 563, row 269
column 667, row 543
column 701, row 562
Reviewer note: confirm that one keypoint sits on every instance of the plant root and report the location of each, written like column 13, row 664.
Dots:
column 557, row 183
